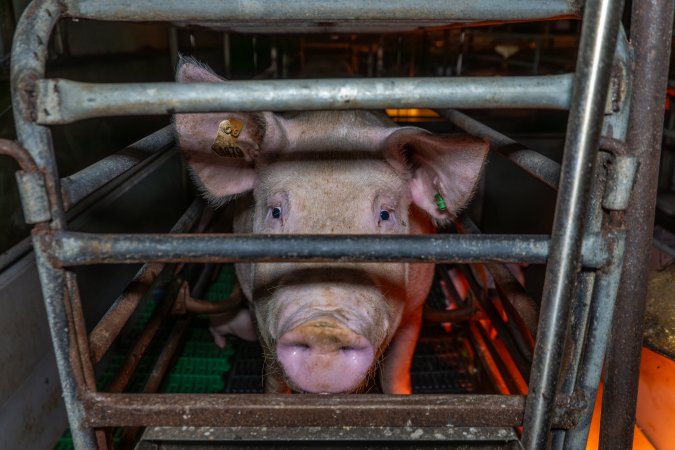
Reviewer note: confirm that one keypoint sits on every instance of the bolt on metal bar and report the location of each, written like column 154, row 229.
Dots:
column 651, row 34
column 110, row 325
column 275, row 11
column 307, row 410
column 73, row 249
column 77, row 186
column 539, row 166
column 594, row 63
column 63, row 101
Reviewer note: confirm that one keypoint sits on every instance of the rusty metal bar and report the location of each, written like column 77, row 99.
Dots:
column 172, row 438
column 63, row 101
column 307, row 410
column 594, row 63
column 130, row 363
column 110, row 325
column 77, row 186
column 72, row 249
column 539, row 166
column 651, row 28
column 280, row 11
column 159, row 370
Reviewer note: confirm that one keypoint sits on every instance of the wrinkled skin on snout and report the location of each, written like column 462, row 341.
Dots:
column 326, row 328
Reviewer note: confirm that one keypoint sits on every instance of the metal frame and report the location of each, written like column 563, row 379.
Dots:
column 588, row 231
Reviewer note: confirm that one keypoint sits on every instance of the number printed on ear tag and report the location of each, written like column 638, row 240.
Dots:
column 225, row 144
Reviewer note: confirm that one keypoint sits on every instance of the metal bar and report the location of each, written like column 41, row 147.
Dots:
column 520, row 353
column 72, row 249
column 331, row 437
column 159, row 370
column 307, row 410
column 110, row 325
column 65, row 350
column 594, row 64
column 602, row 311
column 134, row 356
column 510, row 291
column 583, row 293
column 322, row 10
column 77, row 186
column 651, row 29
column 64, row 101
column 506, row 375
column 20, row 155
column 539, row 166
column 29, row 56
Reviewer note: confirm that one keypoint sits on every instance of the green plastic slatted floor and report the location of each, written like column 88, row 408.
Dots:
column 441, row 363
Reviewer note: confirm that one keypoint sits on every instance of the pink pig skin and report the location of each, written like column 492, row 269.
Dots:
column 325, row 328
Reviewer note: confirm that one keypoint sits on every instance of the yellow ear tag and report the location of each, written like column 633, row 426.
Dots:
column 225, row 144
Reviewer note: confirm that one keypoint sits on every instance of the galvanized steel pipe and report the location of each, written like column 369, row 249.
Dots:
column 281, row 11
column 63, row 101
column 594, row 64
column 72, row 249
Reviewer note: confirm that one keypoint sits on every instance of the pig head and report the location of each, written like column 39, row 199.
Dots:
column 325, row 328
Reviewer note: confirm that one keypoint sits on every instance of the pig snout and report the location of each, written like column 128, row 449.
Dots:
column 324, row 356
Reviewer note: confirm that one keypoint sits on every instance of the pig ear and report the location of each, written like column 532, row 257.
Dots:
column 445, row 169
column 220, row 148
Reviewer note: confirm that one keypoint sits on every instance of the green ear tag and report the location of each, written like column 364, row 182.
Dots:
column 440, row 202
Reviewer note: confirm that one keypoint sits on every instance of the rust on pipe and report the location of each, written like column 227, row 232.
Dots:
column 107, row 330
column 109, row 327
column 129, row 365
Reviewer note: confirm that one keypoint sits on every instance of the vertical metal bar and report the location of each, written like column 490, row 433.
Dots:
column 651, row 29
column 29, row 56
column 598, row 39
column 583, row 293
column 602, row 310
column 53, row 287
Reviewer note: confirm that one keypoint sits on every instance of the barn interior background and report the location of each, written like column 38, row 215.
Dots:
column 152, row 197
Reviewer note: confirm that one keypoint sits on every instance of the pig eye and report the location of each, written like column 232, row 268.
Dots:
column 276, row 212
column 386, row 218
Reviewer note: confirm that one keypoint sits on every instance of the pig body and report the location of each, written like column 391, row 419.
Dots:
column 325, row 327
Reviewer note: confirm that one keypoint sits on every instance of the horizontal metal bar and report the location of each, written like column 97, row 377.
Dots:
column 77, row 186
column 73, row 249
column 321, row 10
column 63, row 101
column 301, row 435
column 307, row 410
column 539, row 166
